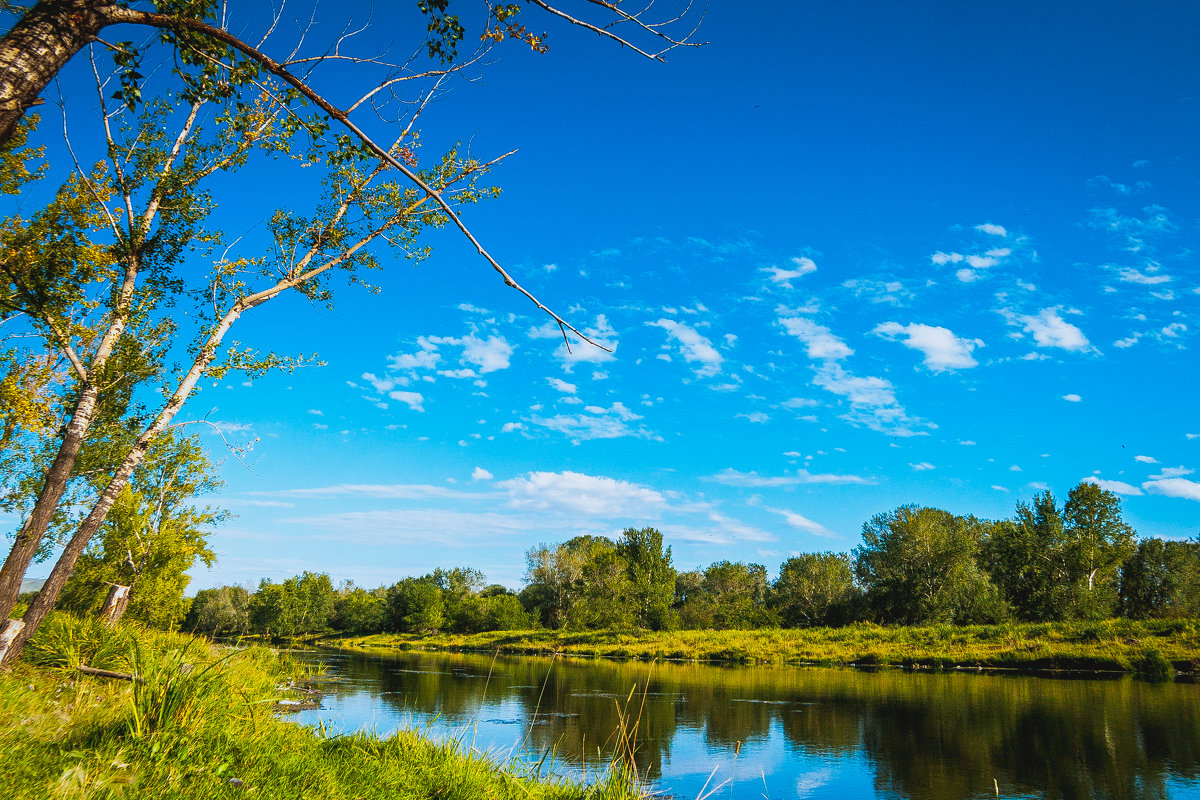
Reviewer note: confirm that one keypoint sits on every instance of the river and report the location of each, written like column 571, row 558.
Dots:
column 779, row 732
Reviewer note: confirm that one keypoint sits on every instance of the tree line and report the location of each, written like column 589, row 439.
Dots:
column 915, row 565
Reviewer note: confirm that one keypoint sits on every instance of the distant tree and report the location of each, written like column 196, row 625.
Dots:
column 415, row 605
column 816, row 589
column 650, row 574
column 358, row 611
column 555, row 577
column 298, row 606
column 918, row 565
column 460, row 598
column 219, row 611
column 692, row 603
column 1162, row 580
column 504, row 612
column 1062, row 563
column 1025, row 558
column 726, row 595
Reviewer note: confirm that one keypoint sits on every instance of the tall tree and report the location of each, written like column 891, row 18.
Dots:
column 1098, row 541
column 1025, row 557
column 918, row 565
column 651, row 576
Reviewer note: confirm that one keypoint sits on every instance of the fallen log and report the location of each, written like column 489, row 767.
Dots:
column 105, row 673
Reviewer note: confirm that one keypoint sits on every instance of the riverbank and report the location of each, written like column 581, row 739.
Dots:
column 199, row 722
column 1152, row 648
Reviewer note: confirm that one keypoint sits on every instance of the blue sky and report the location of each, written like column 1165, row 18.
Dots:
column 846, row 257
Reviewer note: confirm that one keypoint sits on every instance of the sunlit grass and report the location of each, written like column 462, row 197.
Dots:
column 1116, row 645
column 200, row 722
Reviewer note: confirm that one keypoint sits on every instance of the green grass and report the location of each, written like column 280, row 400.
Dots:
column 1113, row 645
column 200, row 724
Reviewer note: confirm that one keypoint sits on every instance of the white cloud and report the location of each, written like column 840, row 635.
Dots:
column 731, row 477
column 755, row 416
column 381, row 384
column 562, row 386
column 490, row 354
column 1192, row 435
column 1146, row 459
column 575, row 492
column 414, row 399
column 509, row 427
column 481, row 474
column 1072, row 398
column 1174, row 487
column 1049, row 329
column 943, row 350
column 992, row 229
column 783, row 277
column 425, row 358
column 941, row 259
column 693, row 346
column 923, row 466
column 820, row 343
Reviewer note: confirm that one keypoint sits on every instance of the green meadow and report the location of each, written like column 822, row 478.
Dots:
column 1152, row 648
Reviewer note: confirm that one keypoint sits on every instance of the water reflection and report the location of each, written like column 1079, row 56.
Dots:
column 785, row 732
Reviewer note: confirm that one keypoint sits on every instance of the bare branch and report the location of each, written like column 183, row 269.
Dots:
column 272, row 66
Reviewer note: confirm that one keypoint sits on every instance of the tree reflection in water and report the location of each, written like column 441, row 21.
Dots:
column 809, row 731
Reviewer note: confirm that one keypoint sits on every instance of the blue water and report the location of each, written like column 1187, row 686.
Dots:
column 754, row 732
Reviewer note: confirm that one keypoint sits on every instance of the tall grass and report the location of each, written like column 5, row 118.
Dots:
column 198, row 722
column 1113, row 645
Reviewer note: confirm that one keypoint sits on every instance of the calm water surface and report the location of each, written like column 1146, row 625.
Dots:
column 791, row 732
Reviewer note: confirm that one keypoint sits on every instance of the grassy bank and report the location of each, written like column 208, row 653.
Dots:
column 1119, row 645
column 200, row 723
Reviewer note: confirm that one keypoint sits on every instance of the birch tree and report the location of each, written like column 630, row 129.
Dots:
column 129, row 222
column 147, row 205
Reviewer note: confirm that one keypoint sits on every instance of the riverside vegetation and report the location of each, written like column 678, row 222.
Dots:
column 199, row 722
column 1065, row 586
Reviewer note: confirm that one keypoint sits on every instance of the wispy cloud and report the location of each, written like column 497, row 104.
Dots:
column 596, row 422
column 732, row 477
column 803, row 523
column 873, row 402
column 693, row 346
column 784, row 277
